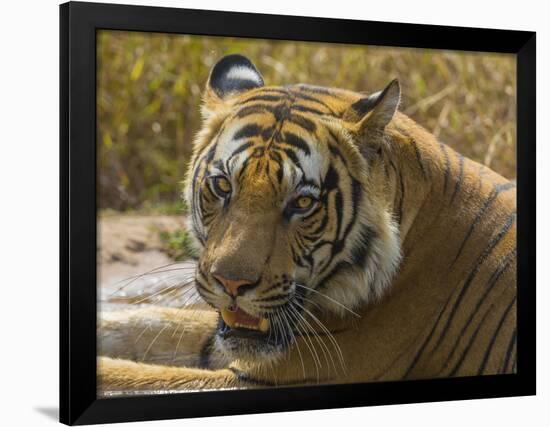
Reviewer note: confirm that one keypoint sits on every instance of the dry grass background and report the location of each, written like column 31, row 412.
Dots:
column 149, row 88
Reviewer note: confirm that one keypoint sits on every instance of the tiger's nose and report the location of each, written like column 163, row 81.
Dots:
column 233, row 287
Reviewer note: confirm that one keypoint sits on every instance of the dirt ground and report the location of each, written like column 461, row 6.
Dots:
column 133, row 267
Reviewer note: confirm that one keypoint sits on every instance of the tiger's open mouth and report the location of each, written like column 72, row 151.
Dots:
column 239, row 323
column 244, row 335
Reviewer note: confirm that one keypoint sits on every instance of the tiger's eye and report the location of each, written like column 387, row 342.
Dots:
column 222, row 185
column 303, row 202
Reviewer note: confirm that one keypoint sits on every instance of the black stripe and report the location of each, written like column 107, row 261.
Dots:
column 241, row 376
column 311, row 110
column 196, row 213
column 447, row 166
column 360, row 252
column 274, row 286
column 313, row 88
column 292, row 156
column 480, row 261
column 244, row 166
column 338, row 204
column 320, row 333
column 460, row 361
column 401, row 199
column 280, row 174
column 492, row 196
column 303, row 122
column 201, row 285
column 339, row 245
column 247, row 378
column 206, row 351
column 335, row 151
column 297, row 142
column 339, row 267
column 494, row 337
column 281, row 112
column 509, row 351
column 239, row 150
column 272, row 298
column 357, row 194
column 427, row 339
column 398, row 204
column 264, row 97
column 279, row 90
column 248, row 131
column 321, row 227
column 419, row 158
column 460, row 177
column 215, row 139
column 503, row 266
column 254, row 109
column 303, row 96
column 316, row 89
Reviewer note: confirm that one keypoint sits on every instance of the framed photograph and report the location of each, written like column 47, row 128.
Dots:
column 296, row 212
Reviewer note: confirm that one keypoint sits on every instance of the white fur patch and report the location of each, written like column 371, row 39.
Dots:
column 243, row 73
column 358, row 286
column 227, row 144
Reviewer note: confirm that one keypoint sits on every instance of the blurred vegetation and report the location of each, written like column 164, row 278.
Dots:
column 149, row 91
column 177, row 244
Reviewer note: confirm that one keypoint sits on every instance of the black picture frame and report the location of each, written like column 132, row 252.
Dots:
column 79, row 23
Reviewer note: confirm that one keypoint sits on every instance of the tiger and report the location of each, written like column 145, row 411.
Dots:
column 339, row 242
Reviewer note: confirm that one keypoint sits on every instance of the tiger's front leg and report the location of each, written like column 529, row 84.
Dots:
column 159, row 335
column 124, row 375
column 158, row 348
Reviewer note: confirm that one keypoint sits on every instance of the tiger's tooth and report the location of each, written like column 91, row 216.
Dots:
column 264, row 324
column 229, row 317
column 240, row 325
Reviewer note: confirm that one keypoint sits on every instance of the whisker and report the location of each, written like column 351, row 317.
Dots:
column 162, row 291
column 178, row 321
column 324, row 329
column 156, row 270
column 327, row 332
column 324, row 347
column 191, row 316
column 291, row 333
column 154, row 340
column 305, row 298
column 311, row 348
column 277, row 327
column 329, row 298
column 175, row 294
column 270, row 318
column 141, row 333
column 306, row 335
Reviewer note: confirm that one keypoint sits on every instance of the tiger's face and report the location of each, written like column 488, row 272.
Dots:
column 281, row 204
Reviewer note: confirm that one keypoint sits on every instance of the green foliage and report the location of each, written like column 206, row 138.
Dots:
column 178, row 244
column 176, row 207
column 149, row 91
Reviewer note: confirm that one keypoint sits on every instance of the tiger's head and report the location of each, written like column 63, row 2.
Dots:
column 289, row 214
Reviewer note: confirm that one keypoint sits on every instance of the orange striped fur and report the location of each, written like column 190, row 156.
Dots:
column 418, row 241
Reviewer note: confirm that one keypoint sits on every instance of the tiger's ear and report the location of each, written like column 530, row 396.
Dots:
column 231, row 75
column 372, row 113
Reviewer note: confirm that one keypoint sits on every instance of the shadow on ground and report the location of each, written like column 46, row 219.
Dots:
column 50, row 412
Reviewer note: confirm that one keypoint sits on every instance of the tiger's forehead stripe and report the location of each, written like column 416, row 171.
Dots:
column 289, row 144
column 306, row 99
